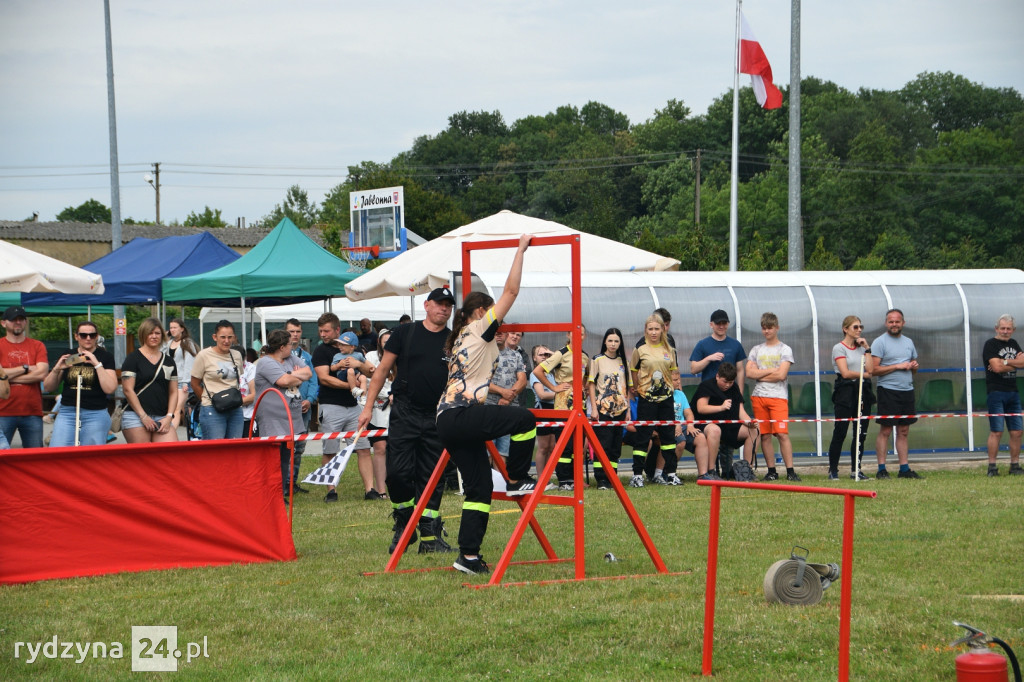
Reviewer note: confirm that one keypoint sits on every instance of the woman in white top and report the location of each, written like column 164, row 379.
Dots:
column 182, row 350
column 379, row 420
column 248, row 388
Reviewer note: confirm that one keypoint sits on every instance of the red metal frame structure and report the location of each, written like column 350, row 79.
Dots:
column 846, row 567
column 576, row 426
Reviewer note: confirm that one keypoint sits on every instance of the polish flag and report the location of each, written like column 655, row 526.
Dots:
column 754, row 62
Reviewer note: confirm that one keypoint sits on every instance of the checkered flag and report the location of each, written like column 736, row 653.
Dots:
column 330, row 473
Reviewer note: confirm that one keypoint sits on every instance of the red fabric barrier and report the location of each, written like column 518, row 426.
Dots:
column 68, row 512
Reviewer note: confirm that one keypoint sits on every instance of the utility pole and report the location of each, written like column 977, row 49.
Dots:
column 120, row 338
column 796, row 235
column 154, row 180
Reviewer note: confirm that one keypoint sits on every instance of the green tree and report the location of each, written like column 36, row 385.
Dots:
column 823, row 259
column 954, row 102
column 91, row 211
column 296, row 207
column 208, row 218
column 894, row 250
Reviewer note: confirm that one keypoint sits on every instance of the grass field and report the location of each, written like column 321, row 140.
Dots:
column 926, row 553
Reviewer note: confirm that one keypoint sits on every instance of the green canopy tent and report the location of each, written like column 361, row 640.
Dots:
column 285, row 267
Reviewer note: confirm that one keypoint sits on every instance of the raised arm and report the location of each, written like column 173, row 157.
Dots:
column 515, row 275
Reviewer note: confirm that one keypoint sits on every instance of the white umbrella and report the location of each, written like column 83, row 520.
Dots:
column 23, row 270
column 426, row 267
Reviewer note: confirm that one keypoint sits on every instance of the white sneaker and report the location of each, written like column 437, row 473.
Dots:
column 672, row 479
column 658, row 479
column 360, row 396
column 636, row 482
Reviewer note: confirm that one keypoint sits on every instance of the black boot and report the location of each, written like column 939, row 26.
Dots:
column 401, row 517
column 432, row 534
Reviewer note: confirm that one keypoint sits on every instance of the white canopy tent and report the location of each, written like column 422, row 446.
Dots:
column 429, row 266
column 23, row 270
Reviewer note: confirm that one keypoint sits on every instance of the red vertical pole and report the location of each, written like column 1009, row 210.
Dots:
column 846, row 589
column 467, row 275
column 579, row 404
column 709, row 588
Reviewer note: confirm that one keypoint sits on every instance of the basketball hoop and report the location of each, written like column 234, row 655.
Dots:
column 359, row 256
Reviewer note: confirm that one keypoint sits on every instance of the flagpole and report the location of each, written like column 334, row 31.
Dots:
column 735, row 178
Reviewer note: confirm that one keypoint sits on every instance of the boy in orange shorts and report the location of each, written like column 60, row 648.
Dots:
column 768, row 363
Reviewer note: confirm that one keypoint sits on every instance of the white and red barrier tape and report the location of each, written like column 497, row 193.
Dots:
column 373, row 433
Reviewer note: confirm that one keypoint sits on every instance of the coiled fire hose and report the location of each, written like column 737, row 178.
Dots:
column 794, row 581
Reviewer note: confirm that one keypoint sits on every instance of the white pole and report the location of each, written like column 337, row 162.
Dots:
column 860, row 411
column 735, row 179
column 243, row 326
column 78, row 411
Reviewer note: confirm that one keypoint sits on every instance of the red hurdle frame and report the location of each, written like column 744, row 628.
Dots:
column 576, row 427
column 846, row 567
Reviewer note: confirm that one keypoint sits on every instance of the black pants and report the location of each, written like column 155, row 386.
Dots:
column 464, row 432
column 648, row 411
column 610, row 438
column 412, row 453
column 563, row 470
column 835, row 448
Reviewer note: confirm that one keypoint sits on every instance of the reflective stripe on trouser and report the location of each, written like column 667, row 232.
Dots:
column 464, row 432
column 520, row 454
column 610, row 439
column 412, row 452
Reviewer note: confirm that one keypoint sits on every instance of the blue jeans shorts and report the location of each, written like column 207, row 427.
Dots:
column 1004, row 402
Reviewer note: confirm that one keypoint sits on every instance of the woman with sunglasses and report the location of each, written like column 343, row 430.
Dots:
column 150, row 382
column 219, row 368
column 84, row 404
column 848, row 359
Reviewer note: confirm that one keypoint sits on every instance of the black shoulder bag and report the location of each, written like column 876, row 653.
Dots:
column 230, row 398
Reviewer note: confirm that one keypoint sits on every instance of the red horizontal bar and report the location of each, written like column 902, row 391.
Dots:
column 368, row 574
column 480, row 586
column 555, row 500
column 537, row 327
column 791, row 488
column 513, row 243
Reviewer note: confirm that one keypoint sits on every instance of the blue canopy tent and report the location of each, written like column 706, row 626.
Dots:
column 133, row 274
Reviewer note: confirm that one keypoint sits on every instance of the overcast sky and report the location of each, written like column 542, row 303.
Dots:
column 241, row 99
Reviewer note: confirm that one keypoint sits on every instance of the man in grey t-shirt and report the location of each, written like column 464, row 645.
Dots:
column 894, row 359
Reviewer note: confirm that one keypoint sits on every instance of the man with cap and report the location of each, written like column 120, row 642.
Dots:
column 417, row 352
column 339, row 411
column 23, row 362
column 713, row 350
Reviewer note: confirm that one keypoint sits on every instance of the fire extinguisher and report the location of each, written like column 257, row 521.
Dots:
column 979, row 664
